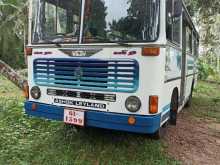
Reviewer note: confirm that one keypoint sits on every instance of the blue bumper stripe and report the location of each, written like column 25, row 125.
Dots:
column 144, row 124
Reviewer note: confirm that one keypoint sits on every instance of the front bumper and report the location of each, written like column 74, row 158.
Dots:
column 144, row 124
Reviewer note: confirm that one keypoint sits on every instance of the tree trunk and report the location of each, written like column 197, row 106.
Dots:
column 12, row 75
column 218, row 64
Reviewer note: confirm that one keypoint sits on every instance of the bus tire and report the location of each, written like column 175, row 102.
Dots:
column 174, row 108
column 189, row 101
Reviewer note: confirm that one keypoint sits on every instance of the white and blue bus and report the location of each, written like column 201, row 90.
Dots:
column 127, row 65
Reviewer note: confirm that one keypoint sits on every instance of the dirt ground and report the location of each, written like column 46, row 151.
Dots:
column 194, row 141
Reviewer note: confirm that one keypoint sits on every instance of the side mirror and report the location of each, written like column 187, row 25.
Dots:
column 177, row 8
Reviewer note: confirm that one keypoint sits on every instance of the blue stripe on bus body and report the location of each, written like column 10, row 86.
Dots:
column 167, row 107
column 144, row 124
column 165, row 113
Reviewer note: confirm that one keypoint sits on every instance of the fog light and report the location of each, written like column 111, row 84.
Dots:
column 34, row 107
column 35, row 92
column 133, row 104
column 131, row 120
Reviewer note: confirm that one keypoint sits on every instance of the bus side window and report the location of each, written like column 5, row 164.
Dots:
column 172, row 21
column 194, row 45
column 176, row 25
column 169, row 19
column 197, row 47
column 188, row 40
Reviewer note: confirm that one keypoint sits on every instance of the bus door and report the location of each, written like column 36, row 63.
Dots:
column 183, row 70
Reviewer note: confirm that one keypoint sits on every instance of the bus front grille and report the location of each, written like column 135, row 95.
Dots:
column 121, row 75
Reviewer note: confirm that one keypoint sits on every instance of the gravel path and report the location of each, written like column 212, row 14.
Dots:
column 194, row 141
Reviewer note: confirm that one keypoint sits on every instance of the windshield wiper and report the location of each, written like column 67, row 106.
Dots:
column 55, row 43
column 122, row 43
column 58, row 45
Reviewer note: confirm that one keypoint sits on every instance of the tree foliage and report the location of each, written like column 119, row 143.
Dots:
column 207, row 15
column 12, row 21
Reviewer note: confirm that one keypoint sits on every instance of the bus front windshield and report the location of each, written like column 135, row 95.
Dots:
column 104, row 21
column 56, row 21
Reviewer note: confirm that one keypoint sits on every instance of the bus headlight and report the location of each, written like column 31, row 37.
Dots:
column 133, row 104
column 35, row 92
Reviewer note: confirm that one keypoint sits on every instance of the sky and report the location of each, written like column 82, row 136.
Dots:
column 118, row 8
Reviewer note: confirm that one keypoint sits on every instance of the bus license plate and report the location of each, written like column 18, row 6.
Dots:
column 75, row 117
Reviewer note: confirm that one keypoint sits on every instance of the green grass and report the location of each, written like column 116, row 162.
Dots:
column 206, row 101
column 215, row 77
column 25, row 140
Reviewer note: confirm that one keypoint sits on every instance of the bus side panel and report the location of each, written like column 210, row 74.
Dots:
column 172, row 77
column 190, row 70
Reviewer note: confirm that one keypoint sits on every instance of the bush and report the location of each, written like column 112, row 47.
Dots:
column 205, row 70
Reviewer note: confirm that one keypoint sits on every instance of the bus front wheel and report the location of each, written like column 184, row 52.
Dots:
column 189, row 101
column 174, row 108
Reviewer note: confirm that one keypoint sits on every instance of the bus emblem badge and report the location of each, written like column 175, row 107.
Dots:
column 78, row 73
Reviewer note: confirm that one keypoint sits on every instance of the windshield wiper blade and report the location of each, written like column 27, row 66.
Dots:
column 55, row 43
column 58, row 45
column 121, row 43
